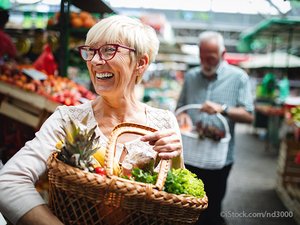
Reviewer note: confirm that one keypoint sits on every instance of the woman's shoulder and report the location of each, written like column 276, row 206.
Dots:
column 159, row 118
column 77, row 112
column 158, row 111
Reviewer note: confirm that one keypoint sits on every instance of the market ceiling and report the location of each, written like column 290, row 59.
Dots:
column 93, row 6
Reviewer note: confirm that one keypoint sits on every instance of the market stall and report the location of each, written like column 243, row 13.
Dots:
column 26, row 102
column 271, row 60
column 288, row 168
column 268, row 36
column 271, row 34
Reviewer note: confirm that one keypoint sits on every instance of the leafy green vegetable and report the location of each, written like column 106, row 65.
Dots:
column 144, row 176
column 178, row 181
column 183, row 181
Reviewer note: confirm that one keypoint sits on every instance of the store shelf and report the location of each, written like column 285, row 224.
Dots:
column 33, row 99
column 23, row 106
column 94, row 6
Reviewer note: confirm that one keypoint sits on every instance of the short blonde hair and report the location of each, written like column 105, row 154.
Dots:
column 127, row 31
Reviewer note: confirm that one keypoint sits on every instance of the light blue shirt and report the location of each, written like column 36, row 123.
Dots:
column 231, row 86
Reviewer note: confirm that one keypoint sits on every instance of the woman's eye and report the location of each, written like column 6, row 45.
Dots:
column 110, row 49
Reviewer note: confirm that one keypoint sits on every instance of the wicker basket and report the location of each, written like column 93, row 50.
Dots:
column 78, row 197
column 204, row 153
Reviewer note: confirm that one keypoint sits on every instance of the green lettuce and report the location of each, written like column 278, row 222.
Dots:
column 183, row 181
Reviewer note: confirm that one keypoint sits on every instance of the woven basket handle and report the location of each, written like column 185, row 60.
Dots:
column 133, row 129
column 199, row 106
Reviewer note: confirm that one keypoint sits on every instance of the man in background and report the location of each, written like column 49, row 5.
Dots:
column 7, row 47
column 220, row 88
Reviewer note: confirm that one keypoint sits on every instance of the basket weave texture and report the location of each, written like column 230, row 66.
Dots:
column 79, row 197
column 204, row 153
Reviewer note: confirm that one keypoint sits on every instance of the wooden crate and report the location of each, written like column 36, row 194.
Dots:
column 26, row 107
column 289, row 195
column 288, row 170
column 288, row 181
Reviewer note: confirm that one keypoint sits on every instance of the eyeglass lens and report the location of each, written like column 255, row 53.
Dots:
column 106, row 52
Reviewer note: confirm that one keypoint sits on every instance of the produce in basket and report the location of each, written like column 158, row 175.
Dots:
column 209, row 131
column 178, row 181
column 80, row 148
column 183, row 181
column 77, row 195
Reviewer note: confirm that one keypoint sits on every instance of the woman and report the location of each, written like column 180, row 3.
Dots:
column 118, row 50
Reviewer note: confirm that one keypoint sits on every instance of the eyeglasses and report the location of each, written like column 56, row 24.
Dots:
column 106, row 52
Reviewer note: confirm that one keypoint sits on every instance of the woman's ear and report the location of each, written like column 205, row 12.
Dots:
column 142, row 63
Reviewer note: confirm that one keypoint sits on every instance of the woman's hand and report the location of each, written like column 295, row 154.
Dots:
column 166, row 142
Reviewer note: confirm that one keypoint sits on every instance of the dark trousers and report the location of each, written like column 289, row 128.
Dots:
column 215, row 182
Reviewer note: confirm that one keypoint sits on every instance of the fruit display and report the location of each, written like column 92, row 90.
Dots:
column 295, row 114
column 56, row 88
column 23, row 45
column 81, row 19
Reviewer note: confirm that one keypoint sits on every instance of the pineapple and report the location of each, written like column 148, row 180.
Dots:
column 79, row 145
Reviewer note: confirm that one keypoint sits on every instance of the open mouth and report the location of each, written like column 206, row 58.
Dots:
column 104, row 76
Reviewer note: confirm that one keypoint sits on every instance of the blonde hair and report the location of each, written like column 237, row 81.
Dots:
column 127, row 31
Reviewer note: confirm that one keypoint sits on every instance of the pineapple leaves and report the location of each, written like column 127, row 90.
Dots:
column 85, row 120
column 79, row 144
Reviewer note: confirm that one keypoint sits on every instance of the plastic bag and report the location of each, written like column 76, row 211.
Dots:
column 46, row 62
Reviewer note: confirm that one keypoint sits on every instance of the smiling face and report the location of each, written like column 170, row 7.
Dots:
column 118, row 73
column 114, row 76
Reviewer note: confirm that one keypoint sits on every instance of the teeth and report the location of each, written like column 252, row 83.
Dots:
column 103, row 75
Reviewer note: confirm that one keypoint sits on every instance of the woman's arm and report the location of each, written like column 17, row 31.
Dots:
column 18, row 194
column 39, row 215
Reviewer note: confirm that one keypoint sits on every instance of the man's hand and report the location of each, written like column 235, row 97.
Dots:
column 211, row 107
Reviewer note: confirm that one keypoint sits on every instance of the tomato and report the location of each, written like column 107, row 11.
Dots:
column 100, row 171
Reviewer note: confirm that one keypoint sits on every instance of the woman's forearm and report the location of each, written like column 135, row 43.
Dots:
column 40, row 215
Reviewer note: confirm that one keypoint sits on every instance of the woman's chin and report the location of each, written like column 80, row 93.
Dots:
column 103, row 91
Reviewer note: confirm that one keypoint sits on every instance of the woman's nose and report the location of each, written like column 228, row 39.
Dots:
column 97, row 59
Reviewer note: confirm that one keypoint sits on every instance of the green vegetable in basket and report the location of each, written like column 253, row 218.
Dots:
column 178, row 181
column 183, row 181
column 144, row 176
